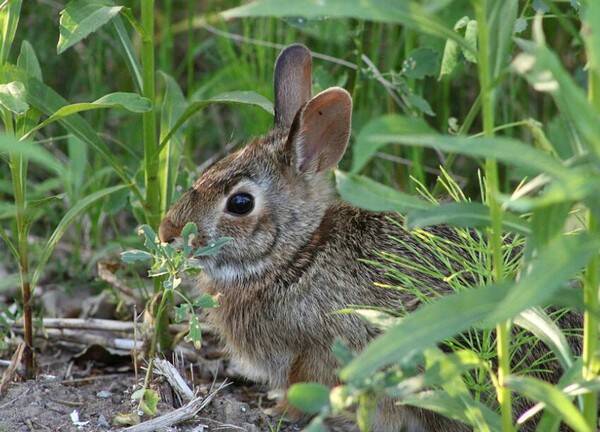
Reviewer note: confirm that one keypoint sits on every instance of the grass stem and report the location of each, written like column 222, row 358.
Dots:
column 151, row 161
column 495, row 237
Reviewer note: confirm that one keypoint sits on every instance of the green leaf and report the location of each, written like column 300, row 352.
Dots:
column 544, row 328
column 12, row 97
column 206, row 301
column 471, row 39
column 449, row 58
column 439, row 320
column 135, row 255
column 503, row 149
column 47, row 101
column 28, row 61
column 408, row 13
column 420, row 63
column 466, row 410
column 127, row 101
column 365, row 147
column 542, row 68
column 68, row 218
column 81, row 18
column 174, row 105
column 212, row 248
column 310, row 398
column 148, row 400
column 368, row 194
column 502, row 15
column 181, row 312
column 235, row 97
column 9, row 21
column 129, row 53
column 195, row 332
column 29, row 150
column 554, row 399
column 463, row 214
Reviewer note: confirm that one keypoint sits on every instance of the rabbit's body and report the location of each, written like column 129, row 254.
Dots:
column 298, row 255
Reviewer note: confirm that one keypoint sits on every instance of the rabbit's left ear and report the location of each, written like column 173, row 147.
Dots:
column 320, row 132
column 292, row 81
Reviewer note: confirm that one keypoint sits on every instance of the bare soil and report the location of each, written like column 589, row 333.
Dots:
column 96, row 387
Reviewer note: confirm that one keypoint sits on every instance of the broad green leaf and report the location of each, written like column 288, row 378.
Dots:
column 364, row 147
column 542, row 68
column 173, row 107
column 441, row 319
column 544, row 328
column 464, row 214
column 148, row 400
column 464, row 409
column 28, row 61
column 66, row 221
column 420, row 63
column 29, row 150
column 12, row 97
column 47, row 101
column 471, row 39
column 368, row 194
column 501, row 16
column 449, row 58
column 135, row 255
column 235, row 97
column 557, row 263
column 9, row 21
column 81, row 18
column 554, row 399
column 128, row 101
column 310, row 398
column 503, row 149
column 408, row 13
column 206, row 301
column 129, row 53
column 195, row 332
column 212, row 248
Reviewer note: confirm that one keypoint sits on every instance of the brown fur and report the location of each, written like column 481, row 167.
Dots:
column 300, row 255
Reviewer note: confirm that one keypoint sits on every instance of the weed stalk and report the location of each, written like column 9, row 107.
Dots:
column 590, row 291
column 491, row 174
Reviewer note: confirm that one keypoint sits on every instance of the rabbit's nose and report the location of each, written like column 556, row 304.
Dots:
column 168, row 231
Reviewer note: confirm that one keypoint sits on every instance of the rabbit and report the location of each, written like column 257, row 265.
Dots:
column 298, row 254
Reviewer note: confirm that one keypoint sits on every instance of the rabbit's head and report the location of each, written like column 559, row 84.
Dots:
column 271, row 195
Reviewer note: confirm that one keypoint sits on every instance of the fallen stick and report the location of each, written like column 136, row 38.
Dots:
column 174, row 378
column 101, row 325
column 179, row 415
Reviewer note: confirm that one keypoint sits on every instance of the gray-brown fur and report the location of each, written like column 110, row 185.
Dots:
column 298, row 257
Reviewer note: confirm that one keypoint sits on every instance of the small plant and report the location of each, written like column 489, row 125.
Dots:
column 168, row 264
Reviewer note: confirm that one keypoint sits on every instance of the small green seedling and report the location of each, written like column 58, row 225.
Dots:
column 170, row 262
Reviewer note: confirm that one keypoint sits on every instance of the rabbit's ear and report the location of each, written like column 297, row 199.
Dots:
column 292, row 81
column 320, row 132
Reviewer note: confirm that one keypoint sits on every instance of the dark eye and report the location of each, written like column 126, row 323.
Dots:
column 240, row 204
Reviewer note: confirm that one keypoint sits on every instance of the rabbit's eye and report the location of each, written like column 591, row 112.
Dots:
column 240, row 204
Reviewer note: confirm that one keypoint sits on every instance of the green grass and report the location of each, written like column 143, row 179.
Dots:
column 520, row 97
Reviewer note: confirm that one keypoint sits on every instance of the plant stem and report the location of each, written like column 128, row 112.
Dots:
column 491, row 174
column 18, row 168
column 590, row 292
column 151, row 161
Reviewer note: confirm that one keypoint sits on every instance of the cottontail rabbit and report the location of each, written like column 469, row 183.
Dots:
column 298, row 254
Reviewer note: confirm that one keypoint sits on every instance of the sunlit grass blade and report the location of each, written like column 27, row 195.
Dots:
column 9, row 21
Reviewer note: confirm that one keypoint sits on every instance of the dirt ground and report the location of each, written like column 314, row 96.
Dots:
column 85, row 391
